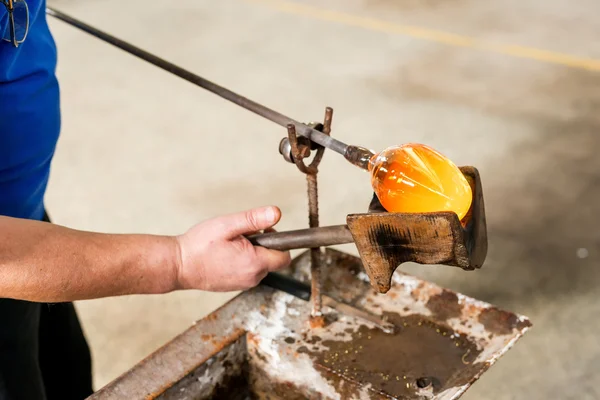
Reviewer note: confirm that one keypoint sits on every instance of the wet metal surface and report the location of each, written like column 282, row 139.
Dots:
column 260, row 345
column 440, row 346
column 399, row 365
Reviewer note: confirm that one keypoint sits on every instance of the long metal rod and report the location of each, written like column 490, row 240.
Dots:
column 315, row 252
column 280, row 119
column 303, row 238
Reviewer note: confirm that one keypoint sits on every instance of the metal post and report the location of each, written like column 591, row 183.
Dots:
column 315, row 252
column 313, row 220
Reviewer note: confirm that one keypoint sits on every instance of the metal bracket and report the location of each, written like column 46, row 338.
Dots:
column 296, row 149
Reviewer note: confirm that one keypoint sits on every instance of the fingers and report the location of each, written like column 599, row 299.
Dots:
column 273, row 260
column 249, row 221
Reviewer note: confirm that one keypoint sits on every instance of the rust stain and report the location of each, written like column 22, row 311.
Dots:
column 212, row 317
column 471, row 310
column 207, row 337
column 416, row 292
column 501, row 322
column 252, row 338
column 219, row 345
column 444, row 305
column 317, row 322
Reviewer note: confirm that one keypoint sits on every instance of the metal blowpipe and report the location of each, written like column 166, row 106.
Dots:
column 280, row 119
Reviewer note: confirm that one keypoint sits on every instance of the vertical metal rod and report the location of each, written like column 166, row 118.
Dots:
column 315, row 252
column 313, row 221
column 327, row 122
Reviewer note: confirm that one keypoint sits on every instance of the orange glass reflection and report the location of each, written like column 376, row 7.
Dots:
column 416, row 178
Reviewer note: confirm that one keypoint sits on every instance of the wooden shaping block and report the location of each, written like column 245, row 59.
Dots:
column 386, row 240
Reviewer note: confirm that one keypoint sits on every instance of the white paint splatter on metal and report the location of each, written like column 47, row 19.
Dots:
column 269, row 318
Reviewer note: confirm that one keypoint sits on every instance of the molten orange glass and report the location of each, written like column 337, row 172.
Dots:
column 415, row 178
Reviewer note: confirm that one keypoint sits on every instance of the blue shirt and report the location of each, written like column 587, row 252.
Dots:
column 29, row 115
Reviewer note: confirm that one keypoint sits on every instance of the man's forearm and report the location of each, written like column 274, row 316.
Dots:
column 50, row 263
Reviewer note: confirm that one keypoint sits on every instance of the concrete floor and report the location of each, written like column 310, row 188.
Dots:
column 143, row 151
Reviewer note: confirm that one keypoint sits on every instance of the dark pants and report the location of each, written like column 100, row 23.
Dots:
column 43, row 352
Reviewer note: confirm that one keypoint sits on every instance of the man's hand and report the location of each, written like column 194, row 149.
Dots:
column 51, row 263
column 215, row 256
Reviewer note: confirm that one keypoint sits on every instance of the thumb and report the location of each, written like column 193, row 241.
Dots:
column 249, row 221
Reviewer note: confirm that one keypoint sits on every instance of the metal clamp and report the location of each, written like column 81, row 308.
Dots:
column 295, row 149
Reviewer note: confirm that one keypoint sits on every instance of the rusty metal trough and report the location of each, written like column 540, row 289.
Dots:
column 260, row 345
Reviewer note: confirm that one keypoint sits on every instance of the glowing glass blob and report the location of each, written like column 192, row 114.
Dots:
column 415, row 178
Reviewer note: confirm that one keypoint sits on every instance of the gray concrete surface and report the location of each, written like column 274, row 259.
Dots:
column 142, row 151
